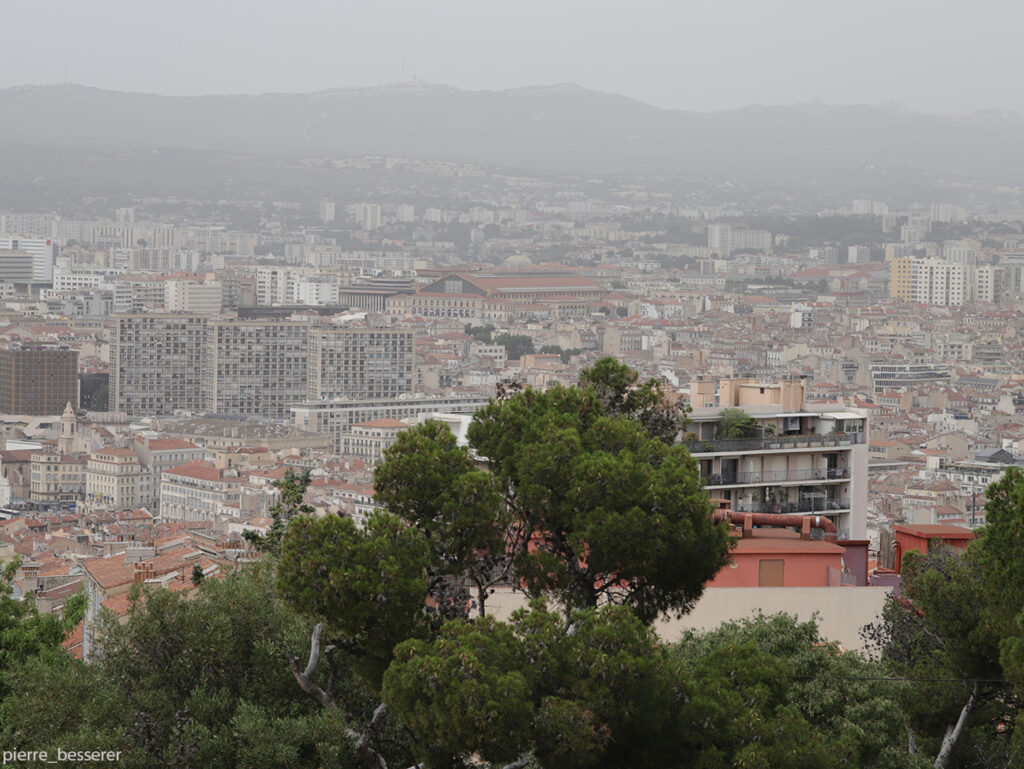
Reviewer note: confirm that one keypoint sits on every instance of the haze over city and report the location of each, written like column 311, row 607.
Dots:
column 943, row 57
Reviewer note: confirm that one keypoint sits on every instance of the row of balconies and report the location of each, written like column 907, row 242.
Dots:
column 777, row 476
column 804, row 505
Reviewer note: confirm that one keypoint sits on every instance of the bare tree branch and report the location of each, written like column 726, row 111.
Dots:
column 305, row 677
column 953, row 732
column 370, row 757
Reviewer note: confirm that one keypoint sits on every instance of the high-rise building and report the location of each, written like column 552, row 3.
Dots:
column 275, row 286
column 255, row 367
column 326, row 211
column 360, row 363
column 38, row 381
column 723, row 239
column 406, row 213
column 369, row 216
column 948, row 214
column 156, row 362
column 936, row 282
column 901, row 274
column 162, row 363
column 16, row 266
column 42, row 253
column 858, row 254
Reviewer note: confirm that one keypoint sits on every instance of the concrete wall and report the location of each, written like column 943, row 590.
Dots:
column 842, row 611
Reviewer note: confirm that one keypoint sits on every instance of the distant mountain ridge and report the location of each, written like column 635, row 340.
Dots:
column 563, row 128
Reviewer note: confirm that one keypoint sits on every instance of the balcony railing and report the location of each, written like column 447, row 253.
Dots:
column 803, row 506
column 773, row 442
column 777, row 476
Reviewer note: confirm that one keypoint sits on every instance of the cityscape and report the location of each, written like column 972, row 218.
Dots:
column 419, row 426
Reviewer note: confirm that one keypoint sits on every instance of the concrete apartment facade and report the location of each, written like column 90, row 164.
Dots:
column 800, row 459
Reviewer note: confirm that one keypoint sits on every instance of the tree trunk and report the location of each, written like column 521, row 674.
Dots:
column 954, row 731
column 370, row 757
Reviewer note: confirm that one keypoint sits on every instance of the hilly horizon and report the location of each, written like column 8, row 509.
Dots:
column 561, row 129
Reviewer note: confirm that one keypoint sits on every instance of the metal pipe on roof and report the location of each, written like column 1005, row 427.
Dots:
column 773, row 519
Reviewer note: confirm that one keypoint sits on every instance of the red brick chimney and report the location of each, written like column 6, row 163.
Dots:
column 142, row 572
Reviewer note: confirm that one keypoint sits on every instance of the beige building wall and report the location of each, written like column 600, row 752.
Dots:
column 842, row 611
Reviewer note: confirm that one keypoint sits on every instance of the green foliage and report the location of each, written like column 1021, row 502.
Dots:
column 614, row 514
column 435, row 486
column 608, row 694
column 199, row 681
column 736, row 423
column 861, row 720
column 598, row 696
column 998, row 551
column 368, row 584
column 937, row 634
column 615, row 385
column 465, row 690
column 516, row 345
column 293, row 491
column 481, row 334
column 24, row 632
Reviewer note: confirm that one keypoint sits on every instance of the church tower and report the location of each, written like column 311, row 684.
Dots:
column 68, row 430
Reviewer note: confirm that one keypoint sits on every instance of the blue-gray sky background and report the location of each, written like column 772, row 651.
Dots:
column 944, row 56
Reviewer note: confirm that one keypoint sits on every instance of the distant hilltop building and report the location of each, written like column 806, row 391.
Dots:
column 723, row 239
column 873, row 207
column 948, row 214
column 326, row 211
column 369, row 216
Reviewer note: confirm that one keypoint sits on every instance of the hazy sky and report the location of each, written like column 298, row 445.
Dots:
column 948, row 56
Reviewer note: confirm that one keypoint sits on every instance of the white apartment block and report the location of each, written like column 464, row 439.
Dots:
column 275, row 286
column 193, row 296
column 326, row 211
column 937, row 282
column 800, row 460
column 369, row 216
column 42, row 252
column 949, row 214
column 197, row 491
column 65, row 279
column 163, row 362
column 115, row 480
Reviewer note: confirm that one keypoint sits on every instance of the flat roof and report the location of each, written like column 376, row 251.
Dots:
column 935, row 530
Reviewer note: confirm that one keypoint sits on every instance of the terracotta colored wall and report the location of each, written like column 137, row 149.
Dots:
column 908, row 542
column 801, row 570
